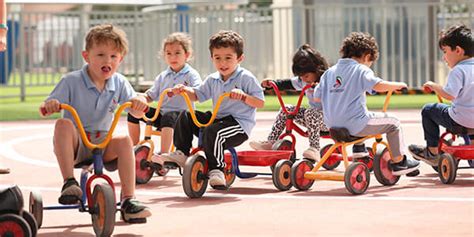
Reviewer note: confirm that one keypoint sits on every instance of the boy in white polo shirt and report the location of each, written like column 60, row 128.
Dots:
column 457, row 44
column 95, row 92
column 236, row 116
column 342, row 92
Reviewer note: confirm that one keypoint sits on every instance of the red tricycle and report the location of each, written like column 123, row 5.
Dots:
column 451, row 153
column 195, row 172
column 356, row 176
column 282, row 144
column 100, row 203
column 144, row 165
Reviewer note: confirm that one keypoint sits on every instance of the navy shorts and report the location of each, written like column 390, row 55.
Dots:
column 167, row 119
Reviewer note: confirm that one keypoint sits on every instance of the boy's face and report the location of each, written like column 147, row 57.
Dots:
column 175, row 56
column 308, row 78
column 452, row 56
column 103, row 59
column 225, row 60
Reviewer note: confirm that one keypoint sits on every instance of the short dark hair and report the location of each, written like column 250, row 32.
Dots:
column 358, row 44
column 226, row 39
column 307, row 59
column 457, row 35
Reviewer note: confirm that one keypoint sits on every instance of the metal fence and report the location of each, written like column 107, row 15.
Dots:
column 49, row 44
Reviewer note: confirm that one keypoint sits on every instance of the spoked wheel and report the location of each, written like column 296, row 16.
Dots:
column 36, row 207
column 332, row 162
column 298, row 170
column 281, row 175
column 357, row 178
column 284, row 145
column 104, row 208
column 369, row 161
column 229, row 175
column 447, row 168
column 30, row 219
column 195, row 176
column 143, row 172
column 14, row 225
column 382, row 170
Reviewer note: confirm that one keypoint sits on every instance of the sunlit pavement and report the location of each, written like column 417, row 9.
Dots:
column 419, row 206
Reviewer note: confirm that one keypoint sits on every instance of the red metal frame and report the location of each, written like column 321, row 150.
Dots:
column 290, row 124
column 88, row 187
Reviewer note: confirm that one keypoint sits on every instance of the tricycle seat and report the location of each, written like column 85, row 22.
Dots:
column 342, row 135
column 461, row 130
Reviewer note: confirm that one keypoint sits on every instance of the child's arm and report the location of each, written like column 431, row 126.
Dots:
column 49, row 107
column 147, row 97
column 389, row 86
column 282, row 84
column 139, row 106
column 190, row 91
column 238, row 94
column 438, row 89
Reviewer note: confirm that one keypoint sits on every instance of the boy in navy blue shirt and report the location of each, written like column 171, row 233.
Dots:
column 95, row 92
column 236, row 116
column 342, row 92
column 457, row 44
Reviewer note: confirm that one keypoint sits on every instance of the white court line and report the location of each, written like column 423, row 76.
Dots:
column 6, row 149
column 279, row 197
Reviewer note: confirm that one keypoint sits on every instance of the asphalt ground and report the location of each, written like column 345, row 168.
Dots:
column 417, row 206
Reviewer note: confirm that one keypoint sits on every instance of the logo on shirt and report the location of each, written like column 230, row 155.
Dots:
column 113, row 105
column 338, row 82
column 336, row 87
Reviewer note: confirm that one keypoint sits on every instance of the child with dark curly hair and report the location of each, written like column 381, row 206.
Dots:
column 308, row 66
column 342, row 92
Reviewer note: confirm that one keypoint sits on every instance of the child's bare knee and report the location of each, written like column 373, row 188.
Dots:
column 63, row 125
column 124, row 141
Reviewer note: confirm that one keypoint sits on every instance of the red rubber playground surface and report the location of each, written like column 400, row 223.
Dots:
column 417, row 206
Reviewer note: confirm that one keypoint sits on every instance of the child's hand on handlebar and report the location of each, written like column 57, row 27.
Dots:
column 49, row 107
column 266, row 83
column 178, row 89
column 428, row 86
column 139, row 103
column 400, row 85
column 237, row 94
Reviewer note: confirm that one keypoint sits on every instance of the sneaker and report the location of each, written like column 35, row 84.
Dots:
column 261, row 145
column 71, row 193
column 405, row 166
column 133, row 211
column 176, row 156
column 312, row 154
column 422, row 153
column 359, row 151
column 217, row 179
